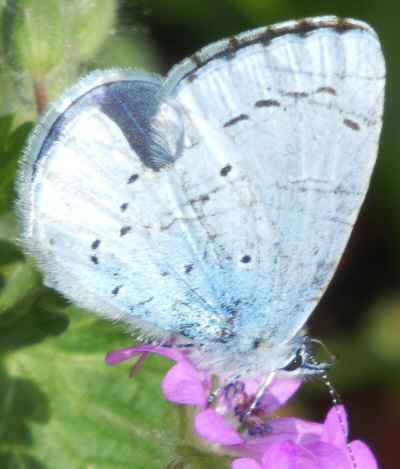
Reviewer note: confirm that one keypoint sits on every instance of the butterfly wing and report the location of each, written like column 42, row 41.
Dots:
column 215, row 205
column 88, row 204
column 294, row 112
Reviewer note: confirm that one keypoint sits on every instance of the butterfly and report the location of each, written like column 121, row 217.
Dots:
column 210, row 207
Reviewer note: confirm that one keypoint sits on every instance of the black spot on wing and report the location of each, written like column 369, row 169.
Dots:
column 133, row 178
column 297, row 94
column 94, row 259
column 235, row 120
column 196, row 59
column 124, row 230
column 116, row 290
column 351, row 124
column 327, row 89
column 225, row 170
column 201, row 198
column 343, row 25
column 245, row 259
column 96, row 244
column 234, row 43
column 124, row 207
column 188, row 268
column 339, row 25
column 267, row 103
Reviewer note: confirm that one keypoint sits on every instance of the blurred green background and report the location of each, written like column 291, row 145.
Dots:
column 60, row 405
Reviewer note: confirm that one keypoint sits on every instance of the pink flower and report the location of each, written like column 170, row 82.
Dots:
column 284, row 443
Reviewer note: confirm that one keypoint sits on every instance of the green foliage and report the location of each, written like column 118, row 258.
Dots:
column 91, row 23
column 63, row 407
column 11, row 144
column 48, row 31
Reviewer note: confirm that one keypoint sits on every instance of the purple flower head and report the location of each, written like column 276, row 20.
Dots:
column 281, row 443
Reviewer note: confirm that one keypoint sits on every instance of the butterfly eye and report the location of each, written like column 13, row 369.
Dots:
column 295, row 363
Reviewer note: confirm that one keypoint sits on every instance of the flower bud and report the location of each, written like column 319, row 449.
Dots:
column 38, row 37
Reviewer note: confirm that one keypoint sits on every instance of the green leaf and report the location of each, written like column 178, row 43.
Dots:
column 11, row 146
column 6, row 123
column 21, row 280
column 9, row 252
column 31, row 328
column 62, row 406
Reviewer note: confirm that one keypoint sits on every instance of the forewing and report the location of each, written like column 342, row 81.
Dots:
column 293, row 113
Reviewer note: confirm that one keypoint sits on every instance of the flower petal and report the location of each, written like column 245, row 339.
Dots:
column 363, row 455
column 279, row 391
column 210, row 425
column 329, row 456
column 245, row 463
column 333, row 431
column 288, row 428
column 287, row 455
column 117, row 356
column 182, row 385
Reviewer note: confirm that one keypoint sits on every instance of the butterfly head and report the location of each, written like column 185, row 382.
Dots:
column 293, row 359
